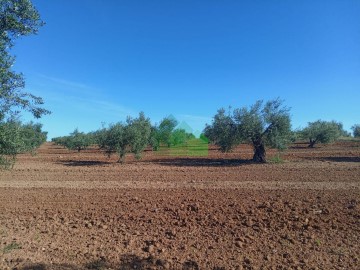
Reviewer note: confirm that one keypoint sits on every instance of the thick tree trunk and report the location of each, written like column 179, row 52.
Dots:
column 259, row 151
column 312, row 143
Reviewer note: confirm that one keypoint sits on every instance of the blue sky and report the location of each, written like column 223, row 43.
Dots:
column 99, row 61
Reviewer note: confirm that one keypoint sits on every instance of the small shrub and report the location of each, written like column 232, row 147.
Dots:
column 276, row 159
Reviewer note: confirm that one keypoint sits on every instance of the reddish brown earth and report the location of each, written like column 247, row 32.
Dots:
column 68, row 210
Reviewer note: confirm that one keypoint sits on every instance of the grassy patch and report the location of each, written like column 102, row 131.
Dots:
column 10, row 247
column 317, row 242
column 277, row 159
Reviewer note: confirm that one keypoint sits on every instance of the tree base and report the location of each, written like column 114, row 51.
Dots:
column 259, row 154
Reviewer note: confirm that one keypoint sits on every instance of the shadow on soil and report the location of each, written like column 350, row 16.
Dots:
column 85, row 163
column 342, row 159
column 299, row 146
column 127, row 262
column 201, row 162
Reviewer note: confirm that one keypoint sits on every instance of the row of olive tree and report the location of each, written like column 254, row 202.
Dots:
column 129, row 137
column 166, row 134
column 268, row 124
column 261, row 125
column 133, row 136
column 75, row 141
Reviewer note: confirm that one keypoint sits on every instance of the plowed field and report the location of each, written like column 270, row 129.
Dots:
column 61, row 209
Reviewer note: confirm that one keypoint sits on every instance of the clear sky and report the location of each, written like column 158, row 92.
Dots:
column 98, row 61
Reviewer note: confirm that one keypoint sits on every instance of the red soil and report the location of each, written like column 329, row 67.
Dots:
column 67, row 210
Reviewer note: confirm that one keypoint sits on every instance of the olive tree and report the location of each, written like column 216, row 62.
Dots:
column 261, row 125
column 18, row 138
column 132, row 136
column 113, row 139
column 11, row 143
column 264, row 124
column 17, row 18
column 321, row 132
column 162, row 133
column 138, row 131
column 33, row 136
column 77, row 141
column 60, row 141
column 356, row 130
column 180, row 136
column 223, row 132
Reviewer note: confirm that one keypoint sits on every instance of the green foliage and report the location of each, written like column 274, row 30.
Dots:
column 16, row 138
column 133, row 137
column 343, row 132
column 32, row 136
column 166, row 128
column 204, row 138
column 60, row 141
column 190, row 147
column 277, row 159
column 295, row 135
column 11, row 143
column 114, row 139
column 17, row 18
column 78, row 141
column 154, row 139
column 356, row 130
column 138, row 131
column 75, row 141
column 223, row 131
column 321, row 132
column 269, row 123
column 162, row 134
column 180, row 136
column 261, row 124
column 166, row 134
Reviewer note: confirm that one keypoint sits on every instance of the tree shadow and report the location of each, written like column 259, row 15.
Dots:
column 127, row 262
column 83, row 163
column 341, row 159
column 299, row 145
column 190, row 265
column 201, row 162
column 41, row 266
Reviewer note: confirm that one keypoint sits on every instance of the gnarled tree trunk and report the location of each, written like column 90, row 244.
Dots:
column 312, row 143
column 259, row 151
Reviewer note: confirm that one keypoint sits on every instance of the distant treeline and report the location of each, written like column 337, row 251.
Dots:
column 262, row 125
column 133, row 136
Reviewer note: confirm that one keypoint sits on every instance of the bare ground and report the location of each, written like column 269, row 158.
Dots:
column 68, row 210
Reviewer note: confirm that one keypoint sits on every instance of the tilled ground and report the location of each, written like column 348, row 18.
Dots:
column 65, row 210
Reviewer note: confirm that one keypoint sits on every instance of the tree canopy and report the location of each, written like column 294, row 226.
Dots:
column 16, row 138
column 17, row 18
column 356, row 130
column 260, row 125
column 321, row 132
column 223, row 131
column 162, row 134
column 132, row 136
